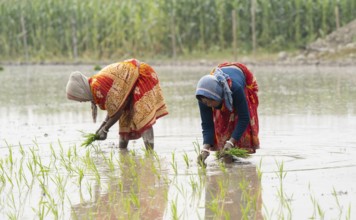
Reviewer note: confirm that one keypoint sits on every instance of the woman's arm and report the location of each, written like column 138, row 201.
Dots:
column 102, row 124
column 106, row 125
column 240, row 104
column 109, row 121
column 207, row 124
column 113, row 119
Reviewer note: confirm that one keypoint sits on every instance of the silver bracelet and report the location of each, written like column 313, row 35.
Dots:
column 229, row 142
column 205, row 150
column 105, row 131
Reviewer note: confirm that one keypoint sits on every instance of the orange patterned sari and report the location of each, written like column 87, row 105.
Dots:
column 225, row 121
column 134, row 82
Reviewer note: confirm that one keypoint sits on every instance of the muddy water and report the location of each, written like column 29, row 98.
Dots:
column 307, row 130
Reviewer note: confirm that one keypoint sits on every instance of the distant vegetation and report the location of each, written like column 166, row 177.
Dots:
column 73, row 30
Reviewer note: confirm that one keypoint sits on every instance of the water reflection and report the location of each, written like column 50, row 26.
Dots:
column 307, row 119
column 234, row 194
column 307, row 90
column 139, row 192
column 283, row 90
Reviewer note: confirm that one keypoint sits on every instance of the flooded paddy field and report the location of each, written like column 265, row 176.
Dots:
column 305, row 169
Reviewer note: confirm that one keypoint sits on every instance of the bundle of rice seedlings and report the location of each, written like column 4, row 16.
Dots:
column 89, row 139
column 237, row 152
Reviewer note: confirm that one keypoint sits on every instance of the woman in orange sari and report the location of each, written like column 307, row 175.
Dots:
column 131, row 94
column 228, row 104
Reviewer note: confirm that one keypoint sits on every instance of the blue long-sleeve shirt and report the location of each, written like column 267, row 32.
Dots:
column 239, row 104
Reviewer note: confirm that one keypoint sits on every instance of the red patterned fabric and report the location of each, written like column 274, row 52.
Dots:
column 136, row 84
column 225, row 121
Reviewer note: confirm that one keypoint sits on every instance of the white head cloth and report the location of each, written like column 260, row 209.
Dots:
column 78, row 88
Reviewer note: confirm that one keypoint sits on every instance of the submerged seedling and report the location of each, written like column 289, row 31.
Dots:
column 317, row 209
column 174, row 210
column 285, row 201
column 134, row 199
column 259, row 171
column 196, row 147
column 174, row 164
column 186, row 159
column 80, row 172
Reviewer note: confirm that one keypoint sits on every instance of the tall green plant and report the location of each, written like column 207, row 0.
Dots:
column 109, row 29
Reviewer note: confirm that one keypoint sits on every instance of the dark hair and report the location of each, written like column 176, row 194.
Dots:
column 199, row 97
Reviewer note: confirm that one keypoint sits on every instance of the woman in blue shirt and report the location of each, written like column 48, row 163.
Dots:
column 228, row 104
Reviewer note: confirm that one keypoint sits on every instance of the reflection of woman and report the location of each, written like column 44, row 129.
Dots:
column 139, row 193
column 131, row 94
column 234, row 195
column 228, row 108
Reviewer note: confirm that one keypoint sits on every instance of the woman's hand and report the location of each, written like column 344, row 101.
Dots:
column 223, row 153
column 203, row 155
column 103, row 124
column 102, row 134
column 229, row 144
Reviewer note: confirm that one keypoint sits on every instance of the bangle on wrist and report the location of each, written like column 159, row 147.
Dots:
column 205, row 150
column 105, row 131
column 230, row 142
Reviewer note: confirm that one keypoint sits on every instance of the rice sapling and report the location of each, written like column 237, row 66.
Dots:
column 236, row 152
column 89, row 139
